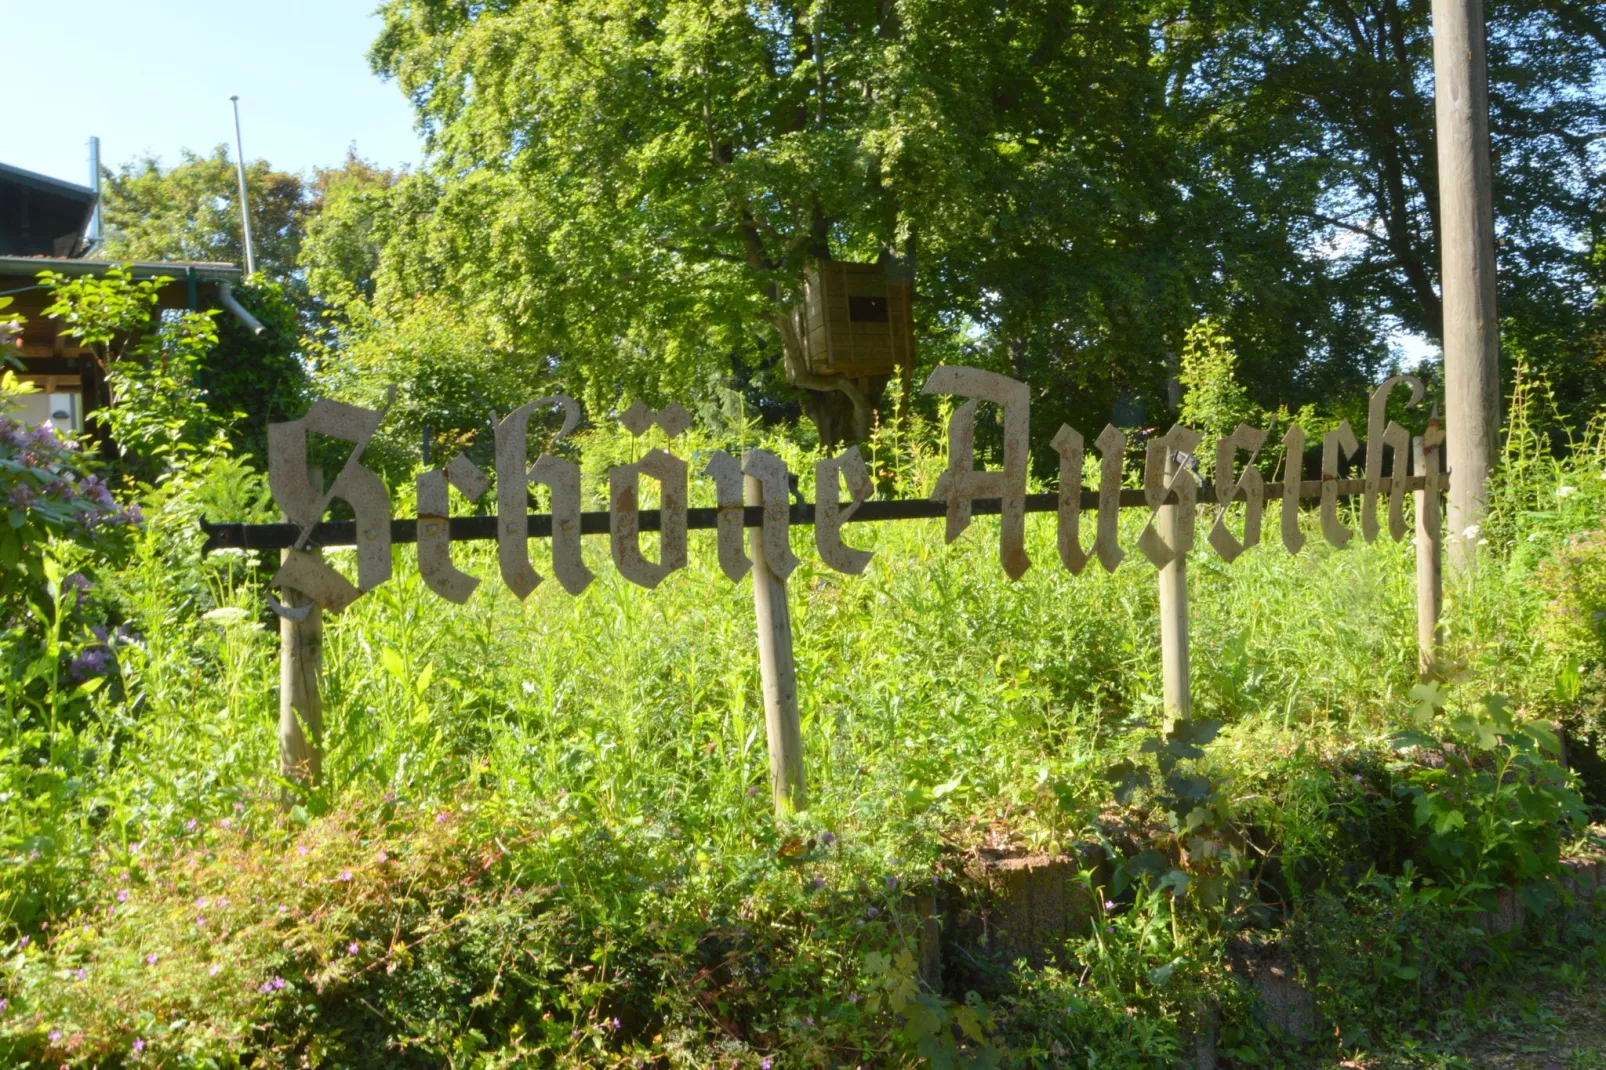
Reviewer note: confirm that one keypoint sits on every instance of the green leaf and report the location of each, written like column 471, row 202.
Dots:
column 1161, row 975
column 1427, row 699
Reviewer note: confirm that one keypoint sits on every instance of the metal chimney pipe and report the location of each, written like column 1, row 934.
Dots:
column 245, row 204
column 95, row 221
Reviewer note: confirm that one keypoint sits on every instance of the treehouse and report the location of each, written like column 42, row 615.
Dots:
column 851, row 333
column 854, row 320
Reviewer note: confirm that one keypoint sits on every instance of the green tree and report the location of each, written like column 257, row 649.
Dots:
column 340, row 252
column 630, row 190
column 192, row 212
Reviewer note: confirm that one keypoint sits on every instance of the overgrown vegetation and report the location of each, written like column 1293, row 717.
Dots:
column 545, row 835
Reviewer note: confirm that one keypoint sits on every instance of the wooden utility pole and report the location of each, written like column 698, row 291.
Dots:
column 1466, row 223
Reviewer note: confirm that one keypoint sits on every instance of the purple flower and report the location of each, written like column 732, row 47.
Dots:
column 613, row 1025
column 122, row 895
column 1109, row 904
column 352, row 948
column 190, row 825
column 301, row 848
column 226, row 823
column 202, row 903
column 440, row 818
column 765, row 1063
column 81, row 974
column 212, row 970
column 92, row 662
column 873, row 912
column 345, row 875
column 80, row 583
column 139, row 1044
column 24, row 941
column 55, row 1035
column 892, row 884
column 819, row 882
column 827, row 838
column 4, row 1003
column 150, row 960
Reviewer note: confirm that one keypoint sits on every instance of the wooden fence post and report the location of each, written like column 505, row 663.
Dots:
column 777, row 672
column 1429, row 561
column 300, row 674
column 1176, row 682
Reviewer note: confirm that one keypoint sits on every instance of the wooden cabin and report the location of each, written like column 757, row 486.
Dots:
column 855, row 320
column 44, row 226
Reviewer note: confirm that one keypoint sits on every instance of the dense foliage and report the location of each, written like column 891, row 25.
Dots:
column 629, row 191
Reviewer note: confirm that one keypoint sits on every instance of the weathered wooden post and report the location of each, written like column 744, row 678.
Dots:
column 300, row 676
column 776, row 669
column 1429, row 558
column 300, row 700
column 1177, row 686
column 1466, row 218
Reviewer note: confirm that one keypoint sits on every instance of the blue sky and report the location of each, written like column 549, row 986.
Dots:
column 156, row 75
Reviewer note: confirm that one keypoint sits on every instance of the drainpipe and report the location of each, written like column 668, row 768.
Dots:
column 225, row 296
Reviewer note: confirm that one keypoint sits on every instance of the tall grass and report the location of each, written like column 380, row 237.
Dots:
column 938, row 698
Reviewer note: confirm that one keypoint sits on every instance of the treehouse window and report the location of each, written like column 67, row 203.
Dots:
column 867, row 309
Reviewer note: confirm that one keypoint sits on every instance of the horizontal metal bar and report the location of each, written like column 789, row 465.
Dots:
column 539, row 525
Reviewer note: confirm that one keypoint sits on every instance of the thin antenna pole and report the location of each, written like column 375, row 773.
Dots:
column 96, row 220
column 245, row 204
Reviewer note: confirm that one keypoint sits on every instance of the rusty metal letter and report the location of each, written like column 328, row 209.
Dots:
column 961, row 483
column 1250, row 483
column 514, row 474
column 1179, row 440
column 829, row 514
column 770, row 472
column 434, row 526
column 1293, row 472
column 304, row 504
column 624, row 520
column 1343, row 437
column 726, row 472
column 1396, row 438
